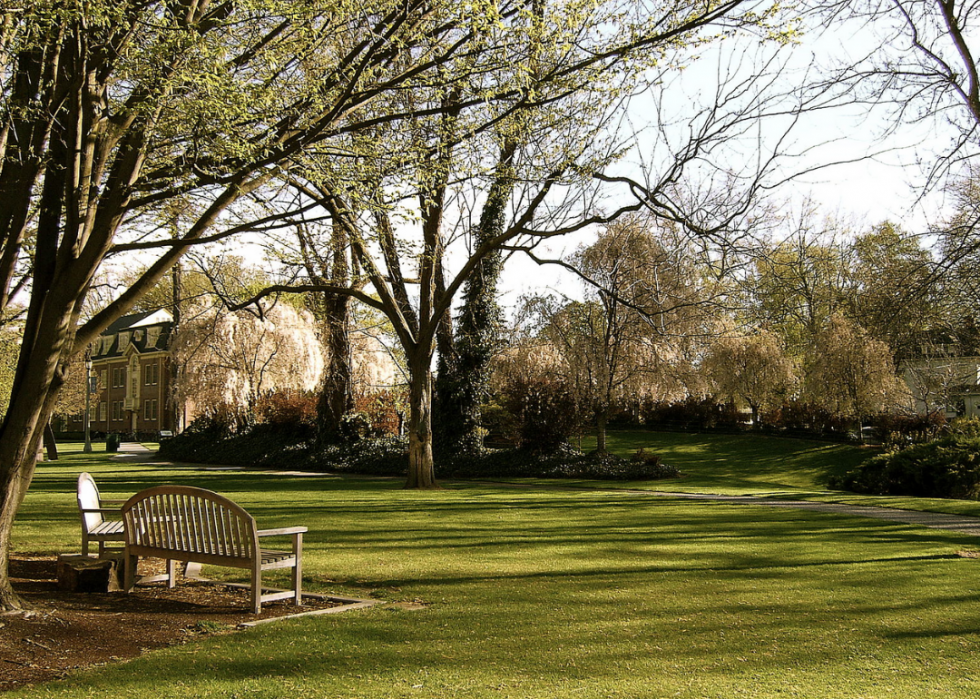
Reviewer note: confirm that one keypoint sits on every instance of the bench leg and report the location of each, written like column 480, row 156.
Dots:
column 129, row 577
column 257, row 589
column 298, row 568
column 171, row 570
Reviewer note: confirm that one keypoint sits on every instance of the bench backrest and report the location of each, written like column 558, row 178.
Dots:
column 89, row 499
column 192, row 522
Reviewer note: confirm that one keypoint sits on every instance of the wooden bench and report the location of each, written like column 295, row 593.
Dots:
column 92, row 510
column 183, row 523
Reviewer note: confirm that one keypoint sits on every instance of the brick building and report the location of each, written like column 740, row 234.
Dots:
column 131, row 360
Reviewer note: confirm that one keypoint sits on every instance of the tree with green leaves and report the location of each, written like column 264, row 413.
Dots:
column 799, row 281
column 753, row 370
column 404, row 206
column 645, row 308
column 850, row 373
column 894, row 294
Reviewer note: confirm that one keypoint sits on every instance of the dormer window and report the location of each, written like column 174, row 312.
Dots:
column 152, row 335
column 137, row 335
column 123, row 341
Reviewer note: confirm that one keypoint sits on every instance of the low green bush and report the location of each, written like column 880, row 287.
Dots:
column 563, row 461
column 944, row 468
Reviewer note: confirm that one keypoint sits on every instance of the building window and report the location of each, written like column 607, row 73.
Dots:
column 103, row 411
column 104, row 378
column 150, row 409
column 117, row 410
column 119, row 377
column 151, row 374
column 123, row 341
column 91, row 412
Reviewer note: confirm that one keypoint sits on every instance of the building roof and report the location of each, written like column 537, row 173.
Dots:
column 145, row 332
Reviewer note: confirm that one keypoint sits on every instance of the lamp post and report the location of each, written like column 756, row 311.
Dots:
column 88, row 402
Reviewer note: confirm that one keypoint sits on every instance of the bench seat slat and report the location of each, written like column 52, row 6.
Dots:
column 107, row 529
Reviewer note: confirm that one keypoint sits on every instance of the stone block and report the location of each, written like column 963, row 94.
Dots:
column 78, row 573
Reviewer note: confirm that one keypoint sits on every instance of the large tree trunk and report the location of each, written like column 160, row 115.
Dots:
column 13, row 485
column 174, row 407
column 601, row 419
column 20, row 436
column 421, row 468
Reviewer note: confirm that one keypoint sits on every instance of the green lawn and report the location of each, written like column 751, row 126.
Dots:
column 739, row 464
column 774, row 467
column 549, row 593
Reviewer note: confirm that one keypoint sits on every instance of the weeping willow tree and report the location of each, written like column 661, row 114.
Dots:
column 228, row 360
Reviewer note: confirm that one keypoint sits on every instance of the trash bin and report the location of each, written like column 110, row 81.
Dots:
column 112, row 442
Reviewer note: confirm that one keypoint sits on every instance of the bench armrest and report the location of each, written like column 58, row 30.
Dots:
column 283, row 531
column 104, row 510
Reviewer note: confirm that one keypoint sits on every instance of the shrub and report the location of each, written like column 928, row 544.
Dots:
column 287, row 409
column 898, row 430
column 219, row 422
column 502, row 426
column 546, row 411
column 805, row 416
column 354, row 426
column 263, row 446
column 690, row 413
column 382, row 456
column 383, row 410
column 965, row 427
column 943, row 468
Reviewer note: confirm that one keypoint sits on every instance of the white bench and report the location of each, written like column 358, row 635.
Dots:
column 92, row 510
column 183, row 523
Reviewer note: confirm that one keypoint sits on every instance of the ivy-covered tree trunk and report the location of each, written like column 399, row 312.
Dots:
column 464, row 374
column 336, row 397
column 333, row 311
column 446, row 429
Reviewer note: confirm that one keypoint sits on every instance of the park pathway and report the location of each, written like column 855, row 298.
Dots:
column 969, row 526
column 960, row 524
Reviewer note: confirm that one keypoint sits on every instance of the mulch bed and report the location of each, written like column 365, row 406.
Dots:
column 65, row 631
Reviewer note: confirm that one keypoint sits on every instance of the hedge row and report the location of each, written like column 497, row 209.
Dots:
column 269, row 448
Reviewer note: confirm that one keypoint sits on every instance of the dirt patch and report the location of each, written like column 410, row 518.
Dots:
column 65, row 631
